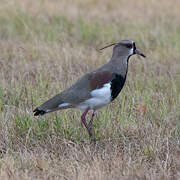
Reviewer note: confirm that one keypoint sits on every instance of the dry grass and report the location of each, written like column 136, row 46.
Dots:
column 47, row 45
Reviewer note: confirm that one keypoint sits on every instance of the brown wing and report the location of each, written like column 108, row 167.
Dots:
column 81, row 90
column 98, row 79
column 77, row 93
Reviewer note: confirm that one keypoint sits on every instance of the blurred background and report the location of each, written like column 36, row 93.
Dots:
column 46, row 45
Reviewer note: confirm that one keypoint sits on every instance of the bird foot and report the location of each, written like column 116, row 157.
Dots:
column 93, row 140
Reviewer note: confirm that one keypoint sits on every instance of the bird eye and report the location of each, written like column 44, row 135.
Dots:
column 129, row 45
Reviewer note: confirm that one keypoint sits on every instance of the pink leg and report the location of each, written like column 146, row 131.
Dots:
column 91, row 121
column 83, row 118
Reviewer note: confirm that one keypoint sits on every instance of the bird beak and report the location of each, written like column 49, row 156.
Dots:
column 139, row 53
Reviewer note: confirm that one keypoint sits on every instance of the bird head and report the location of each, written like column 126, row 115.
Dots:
column 125, row 48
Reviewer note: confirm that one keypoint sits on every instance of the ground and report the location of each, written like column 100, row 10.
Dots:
column 47, row 45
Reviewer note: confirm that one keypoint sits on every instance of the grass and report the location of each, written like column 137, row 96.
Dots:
column 45, row 46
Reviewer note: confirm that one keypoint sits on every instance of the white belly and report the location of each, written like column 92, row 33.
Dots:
column 99, row 98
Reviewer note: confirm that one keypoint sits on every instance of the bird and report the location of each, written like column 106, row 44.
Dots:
column 97, row 88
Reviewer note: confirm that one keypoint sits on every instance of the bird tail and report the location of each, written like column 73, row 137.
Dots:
column 51, row 105
column 38, row 112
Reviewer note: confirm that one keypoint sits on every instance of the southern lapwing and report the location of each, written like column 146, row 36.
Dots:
column 97, row 88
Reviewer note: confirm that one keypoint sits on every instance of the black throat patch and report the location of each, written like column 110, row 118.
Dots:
column 117, row 84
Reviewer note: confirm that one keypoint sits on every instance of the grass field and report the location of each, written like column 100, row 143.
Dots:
column 45, row 46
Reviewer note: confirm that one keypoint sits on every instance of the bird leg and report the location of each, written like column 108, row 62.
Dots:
column 83, row 118
column 91, row 121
